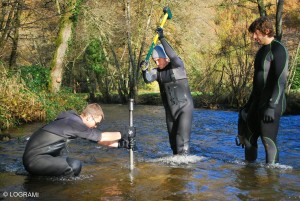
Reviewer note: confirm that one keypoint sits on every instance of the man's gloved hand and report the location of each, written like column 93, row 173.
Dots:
column 131, row 131
column 269, row 115
column 128, row 131
column 132, row 144
column 143, row 65
column 160, row 33
column 123, row 144
column 240, row 140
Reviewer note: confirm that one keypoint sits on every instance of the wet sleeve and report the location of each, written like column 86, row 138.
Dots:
column 280, row 64
column 171, row 53
column 150, row 76
column 90, row 134
column 80, row 130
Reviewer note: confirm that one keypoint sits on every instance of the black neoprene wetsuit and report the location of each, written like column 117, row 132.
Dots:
column 268, row 93
column 44, row 151
column 176, row 97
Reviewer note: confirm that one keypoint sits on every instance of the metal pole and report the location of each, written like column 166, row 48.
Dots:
column 131, row 139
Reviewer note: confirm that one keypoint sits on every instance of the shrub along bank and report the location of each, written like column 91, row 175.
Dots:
column 24, row 98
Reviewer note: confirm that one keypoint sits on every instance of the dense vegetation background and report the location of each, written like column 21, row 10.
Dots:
column 58, row 54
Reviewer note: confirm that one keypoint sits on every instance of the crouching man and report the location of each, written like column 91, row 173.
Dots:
column 43, row 152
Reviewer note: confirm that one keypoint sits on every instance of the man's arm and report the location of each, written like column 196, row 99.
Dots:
column 110, row 139
column 276, row 83
column 168, row 48
column 149, row 76
column 281, row 70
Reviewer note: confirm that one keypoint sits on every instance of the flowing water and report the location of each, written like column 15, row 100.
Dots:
column 215, row 170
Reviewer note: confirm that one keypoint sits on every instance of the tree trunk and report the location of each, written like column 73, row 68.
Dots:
column 64, row 35
column 6, row 24
column 279, row 19
column 132, row 64
column 15, row 39
column 143, row 42
column 261, row 8
column 122, row 91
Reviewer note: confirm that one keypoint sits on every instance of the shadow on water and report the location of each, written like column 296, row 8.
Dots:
column 215, row 170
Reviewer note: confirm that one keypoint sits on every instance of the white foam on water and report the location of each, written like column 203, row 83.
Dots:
column 270, row 166
column 239, row 162
column 71, row 178
column 278, row 166
column 178, row 160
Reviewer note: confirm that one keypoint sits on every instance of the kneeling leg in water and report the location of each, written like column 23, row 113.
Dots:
column 46, row 165
column 75, row 165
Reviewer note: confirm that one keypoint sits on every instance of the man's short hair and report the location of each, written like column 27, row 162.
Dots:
column 93, row 109
column 263, row 24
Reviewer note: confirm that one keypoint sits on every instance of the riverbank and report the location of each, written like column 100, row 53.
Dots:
column 200, row 101
column 205, row 101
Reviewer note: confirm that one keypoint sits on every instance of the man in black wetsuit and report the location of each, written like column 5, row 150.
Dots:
column 261, row 114
column 175, row 93
column 43, row 154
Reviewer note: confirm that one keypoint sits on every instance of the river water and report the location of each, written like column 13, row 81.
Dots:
column 215, row 170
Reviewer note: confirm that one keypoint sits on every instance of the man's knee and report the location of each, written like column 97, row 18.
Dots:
column 75, row 165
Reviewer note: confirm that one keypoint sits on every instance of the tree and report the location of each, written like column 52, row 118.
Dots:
column 64, row 36
column 261, row 8
column 8, row 16
column 294, row 78
column 135, row 59
column 235, row 54
column 15, row 37
column 279, row 11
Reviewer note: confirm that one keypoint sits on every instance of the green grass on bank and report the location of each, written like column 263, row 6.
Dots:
column 20, row 108
column 25, row 99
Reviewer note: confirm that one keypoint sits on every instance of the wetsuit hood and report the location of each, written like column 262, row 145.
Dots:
column 159, row 52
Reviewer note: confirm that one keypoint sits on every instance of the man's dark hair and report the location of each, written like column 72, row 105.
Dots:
column 263, row 24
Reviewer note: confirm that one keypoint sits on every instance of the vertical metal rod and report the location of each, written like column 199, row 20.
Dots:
column 131, row 124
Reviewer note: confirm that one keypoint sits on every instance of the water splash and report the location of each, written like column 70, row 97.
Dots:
column 68, row 178
column 178, row 160
column 263, row 165
column 278, row 166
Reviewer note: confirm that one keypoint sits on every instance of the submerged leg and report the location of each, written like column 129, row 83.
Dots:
column 46, row 165
column 171, row 128
column 250, row 153
column 184, row 125
column 75, row 165
column 271, row 150
column 269, row 139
